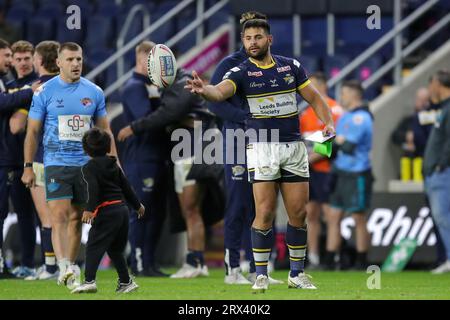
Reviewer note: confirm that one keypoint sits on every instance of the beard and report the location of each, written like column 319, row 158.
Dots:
column 260, row 55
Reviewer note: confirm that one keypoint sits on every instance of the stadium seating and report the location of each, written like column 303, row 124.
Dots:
column 310, row 63
column 20, row 12
column 334, row 64
column 63, row 34
column 46, row 29
column 189, row 40
column 87, row 7
column 51, row 11
column 282, row 31
column 314, row 36
column 108, row 9
column 104, row 30
column 353, row 36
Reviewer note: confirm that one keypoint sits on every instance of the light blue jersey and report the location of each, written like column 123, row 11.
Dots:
column 67, row 110
column 356, row 126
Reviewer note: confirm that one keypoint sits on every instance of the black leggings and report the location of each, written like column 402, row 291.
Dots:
column 109, row 233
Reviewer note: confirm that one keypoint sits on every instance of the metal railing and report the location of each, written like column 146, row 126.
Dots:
column 407, row 51
column 172, row 41
column 144, row 34
column 402, row 25
column 124, row 31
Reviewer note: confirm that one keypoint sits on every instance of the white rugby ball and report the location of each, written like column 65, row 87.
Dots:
column 162, row 66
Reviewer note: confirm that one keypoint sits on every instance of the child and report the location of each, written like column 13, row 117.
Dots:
column 107, row 189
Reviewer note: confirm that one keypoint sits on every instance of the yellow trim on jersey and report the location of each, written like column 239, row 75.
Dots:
column 270, row 93
column 275, row 117
column 262, row 250
column 49, row 254
column 304, row 84
column 261, row 263
column 23, row 111
column 234, row 85
column 263, row 67
column 296, row 247
column 251, row 170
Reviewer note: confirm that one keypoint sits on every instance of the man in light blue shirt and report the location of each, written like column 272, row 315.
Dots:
column 352, row 170
column 66, row 106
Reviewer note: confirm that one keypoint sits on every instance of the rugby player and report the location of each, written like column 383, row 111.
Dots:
column 276, row 158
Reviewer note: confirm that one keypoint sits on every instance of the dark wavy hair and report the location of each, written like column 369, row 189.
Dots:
column 96, row 142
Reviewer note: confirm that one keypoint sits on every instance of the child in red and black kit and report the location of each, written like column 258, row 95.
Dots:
column 108, row 191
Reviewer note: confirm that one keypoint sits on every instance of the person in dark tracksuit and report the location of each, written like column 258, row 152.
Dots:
column 181, row 109
column 11, row 153
column 144, row 164
column 240, row 210
column 106, row 210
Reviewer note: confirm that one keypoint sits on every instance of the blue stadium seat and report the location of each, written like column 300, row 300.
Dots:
column 100, row 32
column 135, row 27
column 97, row 55
column 151, row 5
column 108, row 9
column 87, row 7
column 352, row 34
column 314, row 36
column 186, row 43
column 282, row 31
column 51, row 11
column 25, row 3
column 63, row 34
column 189, row 40
column 40, row 29
column 19, row 12
column 18, row 25
column 42, row 3
column 367, row 69
column 163, row 8
column 334, row 64
column 310, row 63
column 94, row 58
column 217, row 20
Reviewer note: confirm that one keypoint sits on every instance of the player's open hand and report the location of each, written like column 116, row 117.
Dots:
column 141, row 211
column 195, row 85
column 29, row 178
column 88, row 217
column 125, row 133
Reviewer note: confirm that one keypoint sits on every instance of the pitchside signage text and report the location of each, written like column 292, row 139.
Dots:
column 393, row 217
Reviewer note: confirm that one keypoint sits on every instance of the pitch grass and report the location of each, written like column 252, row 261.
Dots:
column 331, row 286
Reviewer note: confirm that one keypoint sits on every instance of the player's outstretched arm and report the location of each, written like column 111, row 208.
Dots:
column 217, row 93
column 313, row 97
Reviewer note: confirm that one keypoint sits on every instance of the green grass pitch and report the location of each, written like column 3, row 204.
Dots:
column 331, row 286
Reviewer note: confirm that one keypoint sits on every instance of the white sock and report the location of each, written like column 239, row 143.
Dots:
column 1, row 261
column 63, row 264
column 314, row 258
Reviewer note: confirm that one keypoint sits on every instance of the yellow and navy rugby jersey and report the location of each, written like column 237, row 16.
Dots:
column 270, row 95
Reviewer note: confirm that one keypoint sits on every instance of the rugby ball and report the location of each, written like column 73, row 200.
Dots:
column 162, row 66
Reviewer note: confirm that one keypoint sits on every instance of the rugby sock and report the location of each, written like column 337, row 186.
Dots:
column 296, row 242
column 47, row 247
column 195, row 258
column 329, row 261
column 62, row 265
column 2, row 262
column 262, row 243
